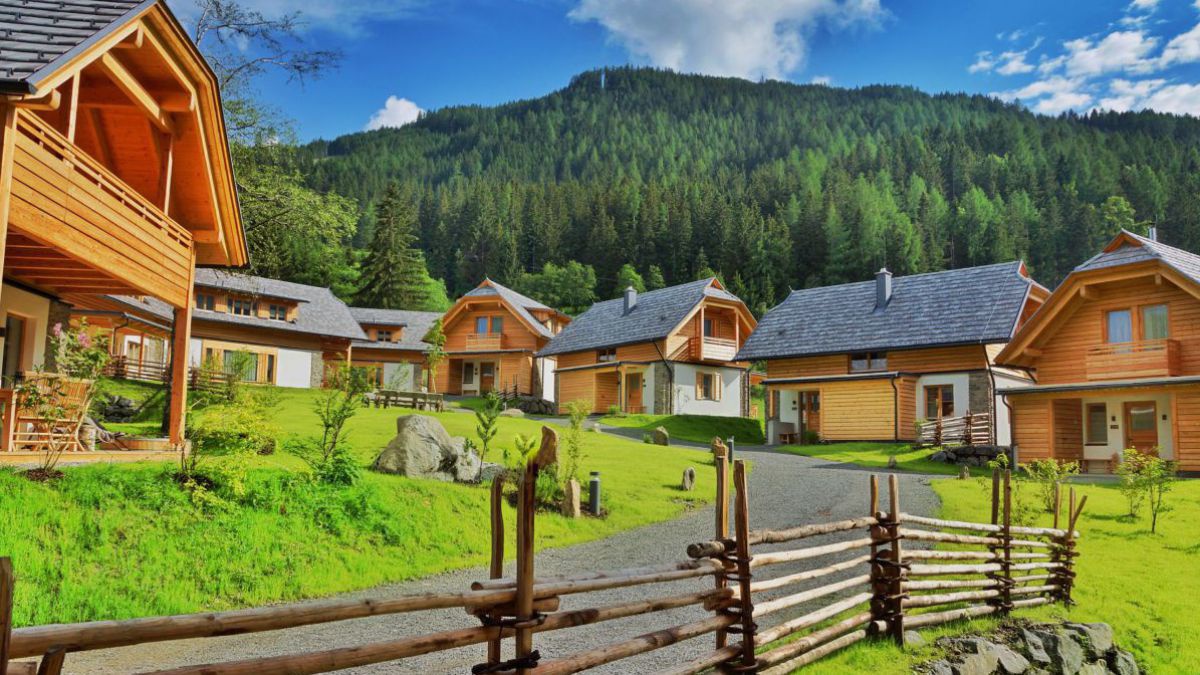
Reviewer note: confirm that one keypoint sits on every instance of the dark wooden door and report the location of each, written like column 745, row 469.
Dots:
column 633, row 393
column 487, row 377
column 1141, row 425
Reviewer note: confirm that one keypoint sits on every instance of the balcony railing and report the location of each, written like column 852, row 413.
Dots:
column 713, row 349
column 485, row 342
column 1132, row 360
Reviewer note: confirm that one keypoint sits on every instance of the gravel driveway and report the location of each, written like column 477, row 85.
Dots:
column 785, row 490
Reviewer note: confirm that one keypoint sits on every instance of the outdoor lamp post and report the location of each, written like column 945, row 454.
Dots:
column 730, row 442
column 594, row 493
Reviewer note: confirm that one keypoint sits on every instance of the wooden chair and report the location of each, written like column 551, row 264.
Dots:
column 32, row 432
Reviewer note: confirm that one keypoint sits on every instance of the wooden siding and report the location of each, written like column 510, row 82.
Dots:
column 906, row 388
column 1187, row 430
column 515, row 334
column 1068, row 428
column 808, row 366
column 575, row 359
column 938, row 360
column 862, row 410
column 578, row 385
column 1062, row 358
column 606, row 391
column 1032, row 420
column 643, row 352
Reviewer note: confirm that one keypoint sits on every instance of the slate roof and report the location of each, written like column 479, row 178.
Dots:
column 416, row 325
column 974, row 305
column 656, row 313
column 36, row 36
column 520, row 303
column 320, row 311
column 1187, row 264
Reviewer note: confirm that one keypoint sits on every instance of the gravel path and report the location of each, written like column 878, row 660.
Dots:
column 785, row 490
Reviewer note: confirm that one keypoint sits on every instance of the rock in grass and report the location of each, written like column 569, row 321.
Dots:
column 1097, row 637
column 572, row 504
column 689, row 479
column 661, row 436
column 913, row 639
column 423, row 449
column 1122, row 663
column 964, row 472
column 892, row 462
column 1011, row 663
column 512, row 412
column 1035, row 649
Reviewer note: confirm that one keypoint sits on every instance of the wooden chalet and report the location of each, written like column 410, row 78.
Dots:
column 668, row 351
column 394, row 350
column 1116, row 355
column 870, row 360
column 115, row 175
column 492, row 334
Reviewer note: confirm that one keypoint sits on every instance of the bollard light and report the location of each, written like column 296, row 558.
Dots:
column 730, row 442
column 594, row 493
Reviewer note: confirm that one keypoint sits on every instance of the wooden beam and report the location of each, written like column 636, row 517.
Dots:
column 180, row 338
column 134, row 40
column 129, row 85
column 164, row 146
column 185, row 102
column 102, row 145
column 50, row 101
column 73, row 110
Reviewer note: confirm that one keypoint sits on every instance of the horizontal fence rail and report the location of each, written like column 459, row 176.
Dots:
column 822, row 596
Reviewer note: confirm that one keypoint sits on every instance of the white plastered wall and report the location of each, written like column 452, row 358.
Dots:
column 293, row 368
column 686, row 403
column 35, row 310
column 1115, row 418
column 548, row 365
column 962, row 395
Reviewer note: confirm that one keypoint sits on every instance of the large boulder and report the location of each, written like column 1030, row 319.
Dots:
column 423, row 449
column 660, row 436
column 512, row 412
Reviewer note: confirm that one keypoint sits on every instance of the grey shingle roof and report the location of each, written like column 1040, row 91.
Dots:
column 38, row 35
column 320, row 311
column 416, row 325
column 974, row 305
column 1182, row 261
column 656, row 313
column 520, row 303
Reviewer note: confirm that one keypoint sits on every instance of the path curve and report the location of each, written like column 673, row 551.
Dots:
column 785, row 490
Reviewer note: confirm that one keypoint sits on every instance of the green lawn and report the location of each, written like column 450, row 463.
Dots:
column 149, row 418
column 694, row 428
column 119, row 541
column 876, row 455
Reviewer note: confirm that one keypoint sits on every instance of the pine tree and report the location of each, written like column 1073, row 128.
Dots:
column 393, row 272
column 654, row 278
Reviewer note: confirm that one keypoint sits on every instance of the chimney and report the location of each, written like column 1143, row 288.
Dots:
column 630, row 299
column 883, row 289
column 1152, row 233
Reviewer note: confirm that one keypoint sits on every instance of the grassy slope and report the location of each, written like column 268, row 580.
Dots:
column 876, row 455
column 1143, row 584
column 695, row 428
column 149, row 419
column 75, row 543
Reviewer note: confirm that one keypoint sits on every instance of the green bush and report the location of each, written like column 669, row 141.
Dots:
column 1047, row 474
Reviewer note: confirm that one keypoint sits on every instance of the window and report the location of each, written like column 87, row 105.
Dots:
column 605, row 355
column 710, row 330
column 481, row 325
column 270, row 368
column 868, row 361
column 383, row 335
column 1154, row 322
column 708, row 387
column 205, row 301
column 1118, row 325
column 242, row 307
column 1097, row 424
column 277, row 312
column 939, row 401
column 468, row 373
column 242, row 364
column 497, row 325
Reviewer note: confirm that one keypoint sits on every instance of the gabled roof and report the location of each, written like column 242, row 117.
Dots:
column 320, row 311
column 416, row 326
column 973, row 305
column 655, row 315
column 1125, row 250
column 37, row 36
column 520, row 304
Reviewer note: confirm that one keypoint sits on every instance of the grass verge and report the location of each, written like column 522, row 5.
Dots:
column 694, row 428
column 876, row 455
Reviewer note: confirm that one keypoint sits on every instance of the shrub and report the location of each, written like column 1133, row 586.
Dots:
column 1149, row 476
column 577, row 414
column 1047, row 474
column 614, row 410
column 487, row 418
column 328, row 455
column 1024, row 512
column 811, row 437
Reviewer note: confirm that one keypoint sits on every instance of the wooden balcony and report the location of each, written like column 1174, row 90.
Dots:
column 1132, row 360
column 75, row 227
column 485, row 342
column 714, row 349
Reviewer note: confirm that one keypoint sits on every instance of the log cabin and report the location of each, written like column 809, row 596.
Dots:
column 492, row 335
column 665, row 352
column 394, row 350
column 1116, row 355
column 115, row 172
column 868, row 361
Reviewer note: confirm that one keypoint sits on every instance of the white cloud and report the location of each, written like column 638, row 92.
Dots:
column 1119, row 51
column 396, row 112
column 984, row 61
column 1014, row 63
column 1182, row 99
column 1041, row 88
column 1183, row 48
column 741, row 38
column 822, row 79
column 1143, row 5
column 1061, row 101
column 1128, row 94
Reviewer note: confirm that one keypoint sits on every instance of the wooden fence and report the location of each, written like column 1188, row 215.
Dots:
column 969, row 429
column 125, row 368
column 872, row 584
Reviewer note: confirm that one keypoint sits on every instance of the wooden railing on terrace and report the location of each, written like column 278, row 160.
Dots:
column 123, row 367
column 484, row 342
column 1131, row 360
column 969, row 429
column 713, row 349
column 880, row 572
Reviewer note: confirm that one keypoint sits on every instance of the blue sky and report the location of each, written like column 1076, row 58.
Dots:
column 1053, row 55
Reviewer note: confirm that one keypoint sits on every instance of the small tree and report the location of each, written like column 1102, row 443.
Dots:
column 577, row 413
column 436, row 339
column 487, row 419
column 1048, row 474
column 1146, row 478
column 327, row 455
column 1131, row 470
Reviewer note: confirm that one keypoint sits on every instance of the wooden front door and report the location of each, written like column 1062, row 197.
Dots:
column 633, row 393
column 1141, row 425
column 487, row 377
column 810, row 410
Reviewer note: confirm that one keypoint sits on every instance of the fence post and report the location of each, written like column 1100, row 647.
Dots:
column 721, row 527
column 741, row 517
column 1067, row 554
column 879, row 579
column 996, row 577
column 887, row 567
column 497, row 566
column 526, row 619
column 6, row 611
column 1006, row 538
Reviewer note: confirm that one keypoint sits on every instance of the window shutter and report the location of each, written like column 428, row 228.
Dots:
column 716, row 380
column 699, row 385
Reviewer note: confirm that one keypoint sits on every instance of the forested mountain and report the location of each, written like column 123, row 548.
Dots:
column 771, row 185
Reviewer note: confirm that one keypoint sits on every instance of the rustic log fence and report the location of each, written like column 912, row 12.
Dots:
column 868, row 583
column 969, row 429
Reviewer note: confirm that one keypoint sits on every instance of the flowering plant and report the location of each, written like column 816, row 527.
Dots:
column 76, row 353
